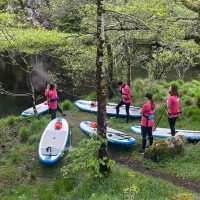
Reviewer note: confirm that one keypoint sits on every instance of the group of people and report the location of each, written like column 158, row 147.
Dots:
column 148, row 111
column 52, row 100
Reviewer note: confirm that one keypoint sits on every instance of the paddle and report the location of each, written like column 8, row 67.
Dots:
column 119, row 134
column 160, row 118
column 131, row 107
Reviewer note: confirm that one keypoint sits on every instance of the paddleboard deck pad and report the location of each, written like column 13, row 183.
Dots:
column 166, row 133
column 41, row 109
column 113, row 136
column 90, row 106
column 53, row 141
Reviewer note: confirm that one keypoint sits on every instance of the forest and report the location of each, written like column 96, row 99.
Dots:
column 88, row 49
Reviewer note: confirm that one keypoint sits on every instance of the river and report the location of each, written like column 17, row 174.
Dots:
column 14, row 80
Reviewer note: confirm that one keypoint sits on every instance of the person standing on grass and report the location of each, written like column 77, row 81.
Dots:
column 173, row 106
column 147, row 121
column 126, row 99
column 53, row 101
column 46, row 94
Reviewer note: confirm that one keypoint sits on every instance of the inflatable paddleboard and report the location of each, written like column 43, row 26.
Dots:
column 91, row 106
column 41, row 109
column 165, row 133
column 53, row 141
column 113, row 136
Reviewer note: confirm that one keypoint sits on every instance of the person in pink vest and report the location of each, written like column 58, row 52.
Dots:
column 173, row 106
column 46, row 94
column 126, row 99
column 53, row 101
column 147, row 121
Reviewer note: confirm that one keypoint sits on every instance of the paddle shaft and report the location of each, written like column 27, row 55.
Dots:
column 160, row 117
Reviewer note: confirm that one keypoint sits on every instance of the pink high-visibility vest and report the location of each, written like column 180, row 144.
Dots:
column 173, row 104
column 125, row 90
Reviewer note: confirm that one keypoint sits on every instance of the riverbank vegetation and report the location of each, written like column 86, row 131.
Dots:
column 23, row 176
column 96, row 44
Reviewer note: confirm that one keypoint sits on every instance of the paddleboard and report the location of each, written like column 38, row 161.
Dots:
column 113, row 136
column 165, row 133
column 90, row 106
column 41, row 109
column 53, row 141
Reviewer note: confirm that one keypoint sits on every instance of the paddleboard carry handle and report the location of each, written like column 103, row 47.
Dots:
column 49, row 149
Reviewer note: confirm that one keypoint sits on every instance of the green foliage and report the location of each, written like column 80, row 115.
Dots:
column 192, row 112
column 84, row 158
column 24, row 134
column 187, row 100
column 66, row 105
column 197, row 96
column 31, row 40
column 91, row 96
column 11, row 120
column 71, row 22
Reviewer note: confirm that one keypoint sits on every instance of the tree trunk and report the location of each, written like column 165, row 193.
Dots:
column 33, row 94
column 110, row 69
column 101, row 86
column 128, row 60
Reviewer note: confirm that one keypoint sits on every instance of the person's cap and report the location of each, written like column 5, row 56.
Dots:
column 120, row 82
column 149, row 95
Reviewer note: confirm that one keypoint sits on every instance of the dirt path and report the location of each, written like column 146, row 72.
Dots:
column 133, row 163
column 137, row 166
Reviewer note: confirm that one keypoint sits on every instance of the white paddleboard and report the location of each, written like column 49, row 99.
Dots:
column 53, row 141
column 113, row 136
column 165, row 133
column 110, row 108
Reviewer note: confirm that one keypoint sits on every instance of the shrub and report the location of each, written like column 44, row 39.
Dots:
column 23, row 134
column 91, row 96
column 186, row 100
column 85, row 158
column 11, row 120
column 158, row 97
column 197, row 96
column 66, row 105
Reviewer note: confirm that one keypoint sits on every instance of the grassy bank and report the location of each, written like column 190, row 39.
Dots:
column 22, row 176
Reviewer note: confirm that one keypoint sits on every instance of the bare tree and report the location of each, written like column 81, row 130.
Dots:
column 24, row 63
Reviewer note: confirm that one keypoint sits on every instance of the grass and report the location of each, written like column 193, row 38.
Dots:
column 22, row 176
column 124, row 184
column 184, row 166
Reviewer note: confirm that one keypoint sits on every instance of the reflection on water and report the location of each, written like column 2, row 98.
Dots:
column 15, row 80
